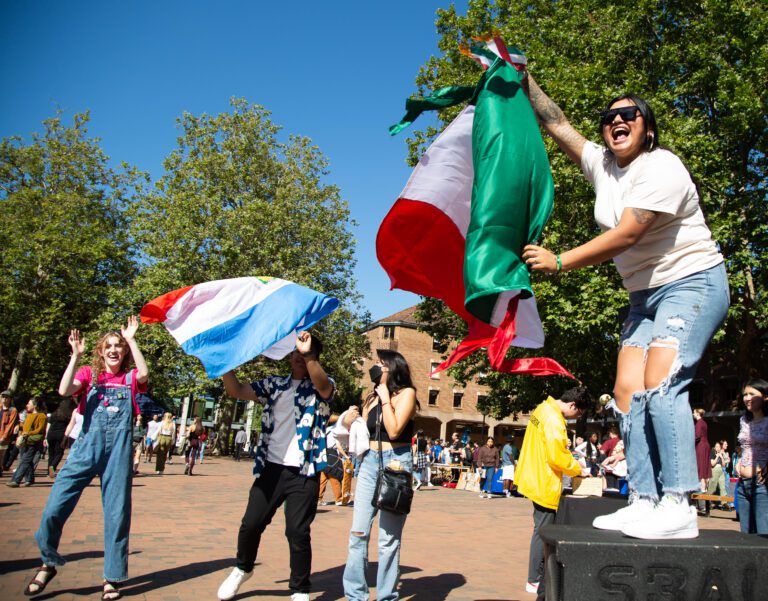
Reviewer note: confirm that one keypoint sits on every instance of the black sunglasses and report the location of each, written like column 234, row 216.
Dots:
column 628, row 113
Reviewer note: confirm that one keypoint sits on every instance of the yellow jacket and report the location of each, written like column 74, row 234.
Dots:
column 545, row 457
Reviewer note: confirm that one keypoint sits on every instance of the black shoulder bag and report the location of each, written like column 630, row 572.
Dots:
column 394, row 490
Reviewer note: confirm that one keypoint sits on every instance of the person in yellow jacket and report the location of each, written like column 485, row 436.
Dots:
column 544, row 459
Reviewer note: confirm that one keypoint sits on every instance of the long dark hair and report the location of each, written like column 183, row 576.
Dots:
column 651, row 131
column 762, row 387
column 399, row 373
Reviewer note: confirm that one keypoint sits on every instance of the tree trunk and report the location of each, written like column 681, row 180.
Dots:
column 224, row 424
column 19, row 367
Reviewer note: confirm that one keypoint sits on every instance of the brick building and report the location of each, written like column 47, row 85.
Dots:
column 446, row 406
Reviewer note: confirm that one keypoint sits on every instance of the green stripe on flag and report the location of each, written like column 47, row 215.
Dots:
column 512, row 195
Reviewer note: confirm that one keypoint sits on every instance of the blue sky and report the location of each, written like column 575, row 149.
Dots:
column 337, row 72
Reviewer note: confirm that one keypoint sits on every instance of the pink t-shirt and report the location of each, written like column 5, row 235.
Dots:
column 107, row 380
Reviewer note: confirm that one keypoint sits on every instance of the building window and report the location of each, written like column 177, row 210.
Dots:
column 433, row 396
column 437, row 345
column 457, row 398
column 388, row 333
column 481, row 399
column 432, row 367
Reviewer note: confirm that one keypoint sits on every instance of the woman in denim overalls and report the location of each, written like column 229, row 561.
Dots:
column 103, row 448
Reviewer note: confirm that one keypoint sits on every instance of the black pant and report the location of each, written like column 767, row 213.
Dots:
column 541, row 517
column 10, row 455
column 238, row 450
column 55, row 450
column 277, row 485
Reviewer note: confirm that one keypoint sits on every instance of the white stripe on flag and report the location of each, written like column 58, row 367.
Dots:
column 213, row 303
column 444, row 175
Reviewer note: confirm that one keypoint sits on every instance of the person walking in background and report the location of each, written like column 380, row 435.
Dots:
column 240, row 439
column 194, row 434
column 421, row 460
column 139, row 437
column 752, row 467
column 107, row 390
column 388, row 411
column 509, row 456
column 488, row 462
column 718, row 461
column 56, row 437
column 9, row 419
column 544, row 459
column 703, row 451
column 203, row 443
column 30, row 442
column 164, row 441
column 153, row 430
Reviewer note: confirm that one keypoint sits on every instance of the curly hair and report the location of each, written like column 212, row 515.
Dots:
column 97, row 362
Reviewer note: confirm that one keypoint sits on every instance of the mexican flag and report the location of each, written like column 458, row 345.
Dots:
column 481, row 192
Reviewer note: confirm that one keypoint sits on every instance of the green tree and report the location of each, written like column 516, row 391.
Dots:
column 65, row 244
column 703, row 66
column 236, row 201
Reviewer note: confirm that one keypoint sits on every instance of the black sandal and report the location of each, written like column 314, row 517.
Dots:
column 50, row 570
column 111, row 593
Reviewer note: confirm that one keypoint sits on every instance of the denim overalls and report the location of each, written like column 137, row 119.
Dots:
column 104, row 448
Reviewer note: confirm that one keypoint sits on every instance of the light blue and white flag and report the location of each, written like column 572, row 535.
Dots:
column 226, row 323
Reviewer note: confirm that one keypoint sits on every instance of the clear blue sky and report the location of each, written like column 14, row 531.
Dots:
column 337, row 72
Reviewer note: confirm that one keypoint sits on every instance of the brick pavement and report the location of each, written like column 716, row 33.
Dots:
column 184, row 533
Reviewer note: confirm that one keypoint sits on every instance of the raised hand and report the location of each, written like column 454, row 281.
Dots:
column 77, row 343
column 304, row 342
column 129, row 331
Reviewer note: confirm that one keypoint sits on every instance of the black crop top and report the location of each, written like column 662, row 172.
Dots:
column 374, row 415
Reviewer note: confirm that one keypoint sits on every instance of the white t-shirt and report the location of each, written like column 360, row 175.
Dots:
column 153, row 429
column 678, row 243
column 78, row 426
column 283, row 445
column 356, row 439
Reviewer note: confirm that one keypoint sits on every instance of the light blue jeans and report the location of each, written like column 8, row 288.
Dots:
column 658, row 430
column 753, row 506
column 104, row 448
column 390, row 532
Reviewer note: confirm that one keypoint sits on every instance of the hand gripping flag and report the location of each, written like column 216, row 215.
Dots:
column 481, row 192
column 225, row 323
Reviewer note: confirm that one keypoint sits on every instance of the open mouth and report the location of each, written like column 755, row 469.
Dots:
column 620, row 133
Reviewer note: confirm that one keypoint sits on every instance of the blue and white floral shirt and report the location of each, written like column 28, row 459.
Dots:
column 311, row 412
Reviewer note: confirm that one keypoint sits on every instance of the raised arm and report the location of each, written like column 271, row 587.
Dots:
column 129, row 333
column 317, row 374
column 68, row 385
column 237, row 389
column 552, row 119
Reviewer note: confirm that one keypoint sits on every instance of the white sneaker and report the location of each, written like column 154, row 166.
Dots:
column 532, row 587
column 637, row 510
column 300, row 597
column 482, row 495
column 671, row 518
column 231, row 585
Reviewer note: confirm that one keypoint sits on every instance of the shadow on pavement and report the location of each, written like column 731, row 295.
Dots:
column 430, row 588
column 18, row 565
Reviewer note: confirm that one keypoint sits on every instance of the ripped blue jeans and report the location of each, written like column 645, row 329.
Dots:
column 658, row 430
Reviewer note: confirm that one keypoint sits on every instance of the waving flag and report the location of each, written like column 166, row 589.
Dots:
column 480, row 193
column 225, row 323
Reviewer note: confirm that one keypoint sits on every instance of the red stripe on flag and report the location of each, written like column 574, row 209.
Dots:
column 422, row 250
column 156, row 310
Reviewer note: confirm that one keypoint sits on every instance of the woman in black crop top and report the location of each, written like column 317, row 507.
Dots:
column 391, row 407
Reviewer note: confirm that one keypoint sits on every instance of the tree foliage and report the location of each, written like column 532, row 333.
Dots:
column 703, row 66
column 65, row 245
column 236, row 201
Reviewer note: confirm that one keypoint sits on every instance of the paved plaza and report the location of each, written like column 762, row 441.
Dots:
column 456, row 546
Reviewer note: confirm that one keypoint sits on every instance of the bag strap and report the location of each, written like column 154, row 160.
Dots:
column 378, row 435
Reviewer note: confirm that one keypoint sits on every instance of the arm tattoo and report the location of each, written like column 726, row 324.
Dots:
column 546, row 110
column 642, row 216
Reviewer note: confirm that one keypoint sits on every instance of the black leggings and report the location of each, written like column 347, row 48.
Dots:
column 277, row 485
column 55, row 451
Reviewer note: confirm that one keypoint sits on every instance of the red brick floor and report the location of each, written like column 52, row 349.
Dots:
column 184, row 534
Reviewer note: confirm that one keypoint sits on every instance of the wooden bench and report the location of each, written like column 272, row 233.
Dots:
column 700, row 496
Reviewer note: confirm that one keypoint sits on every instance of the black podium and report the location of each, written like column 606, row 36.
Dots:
column 582, row 563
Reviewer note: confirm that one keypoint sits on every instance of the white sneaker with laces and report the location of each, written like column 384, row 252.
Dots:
column 231, row 585
column 637, row 510
column 671, row 518
column 532, row 587
column 300, row 597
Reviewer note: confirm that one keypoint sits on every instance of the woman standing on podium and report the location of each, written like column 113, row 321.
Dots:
column 647, row 207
